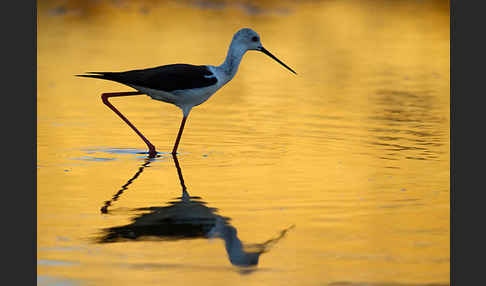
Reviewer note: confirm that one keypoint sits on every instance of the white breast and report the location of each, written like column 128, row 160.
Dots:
column 188, row 98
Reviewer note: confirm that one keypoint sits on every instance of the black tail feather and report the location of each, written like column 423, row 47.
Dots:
column 102, row 75
column 92, row 75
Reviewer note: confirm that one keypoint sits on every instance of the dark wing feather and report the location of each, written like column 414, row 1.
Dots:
column 167, row 78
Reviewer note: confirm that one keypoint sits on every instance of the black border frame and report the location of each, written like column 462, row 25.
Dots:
column 19, row 133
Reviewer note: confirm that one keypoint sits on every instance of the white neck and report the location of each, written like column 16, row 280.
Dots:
column 230, row 65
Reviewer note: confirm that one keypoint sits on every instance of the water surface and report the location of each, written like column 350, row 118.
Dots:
column 336, row 176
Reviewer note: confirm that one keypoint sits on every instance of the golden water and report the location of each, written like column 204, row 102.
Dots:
column 353, row 151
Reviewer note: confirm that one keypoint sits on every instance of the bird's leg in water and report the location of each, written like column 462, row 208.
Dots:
column 174, row 151
column 104, row 98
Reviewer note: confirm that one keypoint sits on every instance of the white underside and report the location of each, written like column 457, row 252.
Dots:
column 188, row 98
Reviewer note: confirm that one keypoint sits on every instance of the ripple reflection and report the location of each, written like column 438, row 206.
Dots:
column 408, row 124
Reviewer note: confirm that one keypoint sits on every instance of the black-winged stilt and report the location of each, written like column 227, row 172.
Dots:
column 183, row 85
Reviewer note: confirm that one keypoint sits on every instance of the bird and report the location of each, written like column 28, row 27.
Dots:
column 183, row 85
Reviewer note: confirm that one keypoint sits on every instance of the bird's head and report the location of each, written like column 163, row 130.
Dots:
column 250, row 40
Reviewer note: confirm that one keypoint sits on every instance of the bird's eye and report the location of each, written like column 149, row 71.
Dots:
column 254, row 39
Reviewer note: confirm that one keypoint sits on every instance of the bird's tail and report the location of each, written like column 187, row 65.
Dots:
column 102, row 75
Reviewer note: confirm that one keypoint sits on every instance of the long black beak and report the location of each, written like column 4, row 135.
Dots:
column 263, row 50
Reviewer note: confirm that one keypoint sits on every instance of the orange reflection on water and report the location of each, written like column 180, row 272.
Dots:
column 354, row 151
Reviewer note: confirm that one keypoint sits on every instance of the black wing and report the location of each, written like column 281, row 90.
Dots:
column 167, row 78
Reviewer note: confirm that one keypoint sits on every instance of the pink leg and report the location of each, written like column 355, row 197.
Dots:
column 174, row 151
column 105, row 97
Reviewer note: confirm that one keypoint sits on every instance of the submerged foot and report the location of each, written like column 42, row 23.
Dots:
column 152, row 152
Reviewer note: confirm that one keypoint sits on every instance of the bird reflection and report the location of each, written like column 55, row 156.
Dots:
column 187, row 217
column 104, row 208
